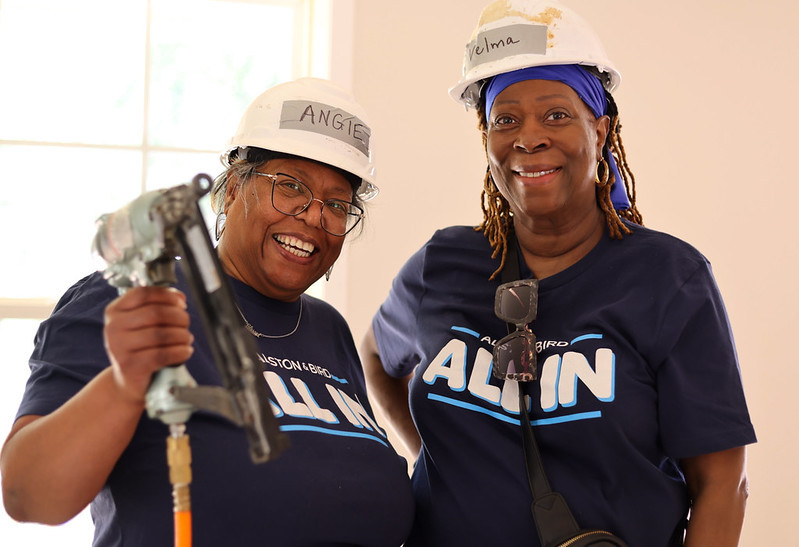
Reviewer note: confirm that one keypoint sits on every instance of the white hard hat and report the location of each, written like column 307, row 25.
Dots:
column 315, row 119
column 516, row 34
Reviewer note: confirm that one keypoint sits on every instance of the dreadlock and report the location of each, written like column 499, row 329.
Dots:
column 498, row 217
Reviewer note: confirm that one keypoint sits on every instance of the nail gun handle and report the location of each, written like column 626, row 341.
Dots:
column 233, row 348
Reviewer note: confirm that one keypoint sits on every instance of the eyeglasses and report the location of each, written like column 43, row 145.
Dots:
column 515, row 355
column 291, row 197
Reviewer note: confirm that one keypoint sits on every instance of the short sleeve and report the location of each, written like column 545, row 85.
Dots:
column 68, row 348
column 395, row 324
column 701, row 398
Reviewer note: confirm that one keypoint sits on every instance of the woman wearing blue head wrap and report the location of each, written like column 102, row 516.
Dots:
column 592, row 104
column 611, row 337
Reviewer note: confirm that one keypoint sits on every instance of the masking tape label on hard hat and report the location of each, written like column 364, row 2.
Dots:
column 502, row 42
column 326, row 120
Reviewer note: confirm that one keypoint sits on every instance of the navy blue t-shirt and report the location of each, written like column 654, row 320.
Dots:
column 637, row 370
column 339, row 483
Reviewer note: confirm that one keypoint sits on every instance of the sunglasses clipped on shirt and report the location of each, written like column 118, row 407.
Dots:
column 515, row 355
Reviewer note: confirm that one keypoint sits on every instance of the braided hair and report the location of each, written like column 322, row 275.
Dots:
column 498, row 217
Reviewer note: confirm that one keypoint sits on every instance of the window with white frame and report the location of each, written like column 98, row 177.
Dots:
column 103, row 100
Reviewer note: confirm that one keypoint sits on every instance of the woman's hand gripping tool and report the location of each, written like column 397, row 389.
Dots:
column 141, row 244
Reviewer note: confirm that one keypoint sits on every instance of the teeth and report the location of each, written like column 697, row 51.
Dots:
column 295, row 246
column 536, row 174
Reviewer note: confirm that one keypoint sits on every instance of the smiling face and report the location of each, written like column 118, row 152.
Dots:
column 277, row 254
column 543, row 145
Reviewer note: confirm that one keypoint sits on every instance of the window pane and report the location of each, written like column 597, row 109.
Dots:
column 167, row 169
column 209, row 60
column 72, row 71
column 81, row 80
column 50, row 200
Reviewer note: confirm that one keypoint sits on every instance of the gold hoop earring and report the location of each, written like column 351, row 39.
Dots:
column 603, row 180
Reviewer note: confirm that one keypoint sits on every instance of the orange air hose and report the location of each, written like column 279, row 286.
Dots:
column 179, row 458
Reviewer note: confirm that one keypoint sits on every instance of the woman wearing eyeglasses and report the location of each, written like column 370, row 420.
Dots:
column 618, row 335
column 298, row 171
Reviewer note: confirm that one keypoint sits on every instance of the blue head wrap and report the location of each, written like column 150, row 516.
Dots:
column 588, row 88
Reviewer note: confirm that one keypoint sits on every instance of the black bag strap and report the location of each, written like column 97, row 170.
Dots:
column 553, row 518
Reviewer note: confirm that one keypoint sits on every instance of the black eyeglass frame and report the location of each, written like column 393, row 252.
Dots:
column 527, row 355
column 359, row 215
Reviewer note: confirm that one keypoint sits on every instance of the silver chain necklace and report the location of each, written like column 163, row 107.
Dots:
column 257, row 334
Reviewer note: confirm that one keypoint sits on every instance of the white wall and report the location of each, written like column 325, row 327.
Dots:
column 709, row 124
